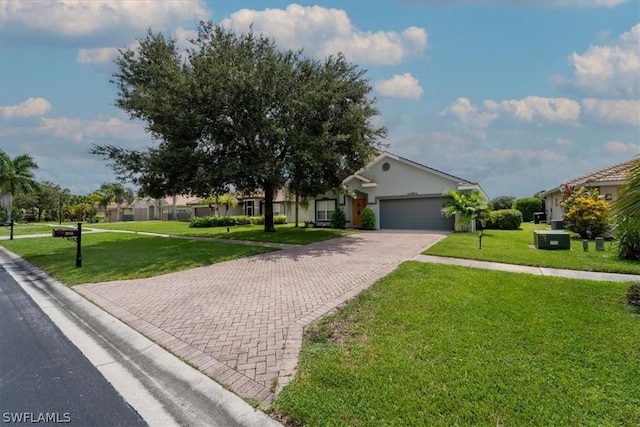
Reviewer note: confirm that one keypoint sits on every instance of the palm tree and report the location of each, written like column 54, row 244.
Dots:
column 627, row 214
column 468, row 207
column 16, row 175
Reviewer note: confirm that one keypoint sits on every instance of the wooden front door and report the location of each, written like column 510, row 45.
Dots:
column 357, row 206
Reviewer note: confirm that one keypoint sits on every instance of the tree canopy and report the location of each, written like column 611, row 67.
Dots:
column 16, row 175
column 234, row 110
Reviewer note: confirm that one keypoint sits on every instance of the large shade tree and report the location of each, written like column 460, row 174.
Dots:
column 237, row 111
column 16, row 175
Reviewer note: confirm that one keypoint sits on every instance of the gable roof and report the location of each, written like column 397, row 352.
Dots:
column 385, row 154
column 615, row 174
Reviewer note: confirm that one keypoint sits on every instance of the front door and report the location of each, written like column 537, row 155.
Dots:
column 357, row 206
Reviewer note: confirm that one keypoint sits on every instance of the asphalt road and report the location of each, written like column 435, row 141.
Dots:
column 44, row 378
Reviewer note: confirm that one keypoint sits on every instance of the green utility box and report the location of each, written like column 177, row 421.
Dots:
column 551, row 239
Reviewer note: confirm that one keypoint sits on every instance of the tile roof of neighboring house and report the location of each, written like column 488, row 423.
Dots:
column 616, row 172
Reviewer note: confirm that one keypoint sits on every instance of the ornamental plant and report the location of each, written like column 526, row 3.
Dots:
column 368, row 219
column 339, row 219
column 586, row 214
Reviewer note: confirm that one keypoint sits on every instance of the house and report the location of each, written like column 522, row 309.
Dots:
column 607, row 181
column 402, row 193
column 148, row 208
column 253, row 205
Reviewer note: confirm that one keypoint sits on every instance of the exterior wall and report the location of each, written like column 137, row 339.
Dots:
column 399, row 181
column 609, row 193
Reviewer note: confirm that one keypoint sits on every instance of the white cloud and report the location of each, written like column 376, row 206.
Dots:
column 88, row 18
column 622, row 111
column 32, row 107
column 400, row 86
column 113, row 129
column 321, row 32
column 555, row 110
column 617, row 147
column 469, row 115
column 504, row 155
column 610, row 70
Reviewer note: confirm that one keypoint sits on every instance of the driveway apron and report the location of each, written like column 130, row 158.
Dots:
column 241, row 321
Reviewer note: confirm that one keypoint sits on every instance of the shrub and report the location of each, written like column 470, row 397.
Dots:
column 339, row 219
column 527, row 206
column 219, row 221
column 628, row 233
column 504, row 219
column 502, row 202
column 368, row 219
column 256, row 220
column 586, row 214
column 633, row 295
column 279, row 219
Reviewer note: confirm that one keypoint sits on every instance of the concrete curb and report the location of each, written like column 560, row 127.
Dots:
column 164, row 390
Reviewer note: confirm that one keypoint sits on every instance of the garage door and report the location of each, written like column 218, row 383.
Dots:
column 414, row 214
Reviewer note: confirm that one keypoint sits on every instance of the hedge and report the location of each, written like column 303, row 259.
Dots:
column 227, row 221
column 504, row 219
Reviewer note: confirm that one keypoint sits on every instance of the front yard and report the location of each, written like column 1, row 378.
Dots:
column 285, row 233
column 116, row 256
column 513, row 247
column 441, row 345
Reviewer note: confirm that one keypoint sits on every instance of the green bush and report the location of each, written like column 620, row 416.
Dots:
column 368, row 219
column 527, row 206
column 339, row 219
column 256, row 220
column 504, row 219
column 628, row 233
column 219, row 221
column 279, row 219
column 586, row 214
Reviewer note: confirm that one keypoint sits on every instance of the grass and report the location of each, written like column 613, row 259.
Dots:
column 285, row 233
column 513, row 247
column 29, row 228
column 115, row 256
column 441, row 345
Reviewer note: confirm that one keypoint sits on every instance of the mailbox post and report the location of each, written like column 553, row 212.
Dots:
column 9, row 224
column 73, row 235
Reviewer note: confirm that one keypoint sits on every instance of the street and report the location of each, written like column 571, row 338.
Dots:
column 44, row 378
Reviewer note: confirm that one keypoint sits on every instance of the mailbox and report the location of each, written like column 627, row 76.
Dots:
column 65, row 232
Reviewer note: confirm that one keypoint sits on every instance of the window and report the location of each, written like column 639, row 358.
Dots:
column 277, row 209
column 248, row 208
column 325, row 209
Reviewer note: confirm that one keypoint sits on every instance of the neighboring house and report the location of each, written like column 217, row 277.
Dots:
column 607, row 181
column 403, row 195
column 148, row 208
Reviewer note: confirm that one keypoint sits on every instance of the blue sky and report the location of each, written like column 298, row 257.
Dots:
column 518, row 96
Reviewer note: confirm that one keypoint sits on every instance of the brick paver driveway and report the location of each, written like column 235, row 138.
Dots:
column 241, row 321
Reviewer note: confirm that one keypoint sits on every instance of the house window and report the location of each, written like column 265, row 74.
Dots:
column 608, row 196
column 277, row 209
column 325, row 209
column 248, row 208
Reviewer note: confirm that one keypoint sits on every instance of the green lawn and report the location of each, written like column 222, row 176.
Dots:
column 285, row 233
column 29, row 228
column 114, row 256
column 513, row 247
column 442, row 345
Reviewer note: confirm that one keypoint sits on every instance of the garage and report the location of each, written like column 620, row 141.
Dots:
column 414, row 214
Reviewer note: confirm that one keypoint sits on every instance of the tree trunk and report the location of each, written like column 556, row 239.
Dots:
column 10, row 206
column 297, row 205
column 268, row 209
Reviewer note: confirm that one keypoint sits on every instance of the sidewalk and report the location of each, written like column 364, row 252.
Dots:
column 540, row 271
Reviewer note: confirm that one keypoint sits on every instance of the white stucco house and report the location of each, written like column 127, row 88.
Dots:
column 402, row 193
column 606, row 180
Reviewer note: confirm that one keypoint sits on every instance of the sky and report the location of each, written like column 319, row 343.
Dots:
column 518, row 96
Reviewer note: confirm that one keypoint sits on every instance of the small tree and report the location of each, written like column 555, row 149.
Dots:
column 16, row 175
column 586, row 214
column 502, row 202
column 338, row 219
column 368, row 219
column 468, row 207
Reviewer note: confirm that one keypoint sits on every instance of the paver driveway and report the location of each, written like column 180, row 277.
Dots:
column 241, row 321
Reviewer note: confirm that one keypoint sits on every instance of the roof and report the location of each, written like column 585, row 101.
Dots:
column 610, row 175
column 462, row 184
